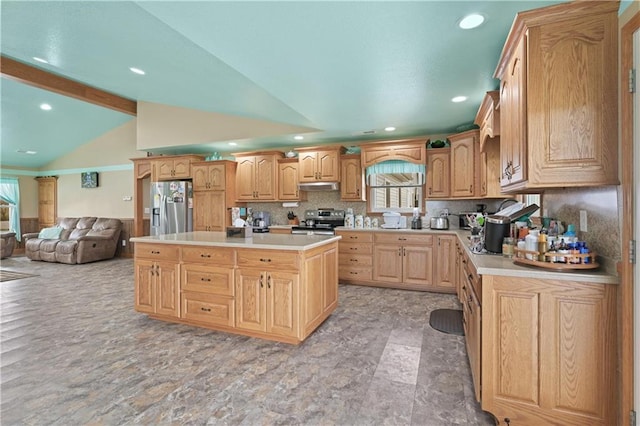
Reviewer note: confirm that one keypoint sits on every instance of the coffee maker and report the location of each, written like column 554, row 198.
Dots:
column 261, row 221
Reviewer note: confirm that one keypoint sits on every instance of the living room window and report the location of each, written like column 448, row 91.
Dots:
column 10, row 197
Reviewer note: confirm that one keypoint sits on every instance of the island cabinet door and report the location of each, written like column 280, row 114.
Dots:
column 251, row 309
column 144, row 284
column 283, row 301
column 167, row 288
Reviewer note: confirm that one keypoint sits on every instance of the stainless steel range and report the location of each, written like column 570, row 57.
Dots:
column 320, row 222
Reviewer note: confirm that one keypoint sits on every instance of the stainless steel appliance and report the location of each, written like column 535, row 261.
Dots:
column 261, row 221
column 441, row 222
column 171, row 207
column 320, row 222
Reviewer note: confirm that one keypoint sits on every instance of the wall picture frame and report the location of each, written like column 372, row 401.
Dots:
column 89, row 179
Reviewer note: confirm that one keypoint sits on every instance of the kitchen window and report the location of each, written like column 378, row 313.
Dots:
column 395, row 186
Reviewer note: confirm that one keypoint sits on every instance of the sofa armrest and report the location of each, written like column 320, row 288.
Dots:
column 30, row 235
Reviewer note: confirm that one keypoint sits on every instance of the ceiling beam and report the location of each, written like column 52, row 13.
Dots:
column 41, row 79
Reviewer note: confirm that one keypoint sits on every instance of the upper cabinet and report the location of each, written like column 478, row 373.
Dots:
column 319, row 164
column 412, row 150
column 558, row 98
column 438, row 172
column 173, row 167
column 463, row 164
column 211, row 176
column 488, row 117
column 257, row 176
column 352, row 183
column 288, row 180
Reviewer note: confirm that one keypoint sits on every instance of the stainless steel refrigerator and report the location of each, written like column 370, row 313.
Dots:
column 171, row 207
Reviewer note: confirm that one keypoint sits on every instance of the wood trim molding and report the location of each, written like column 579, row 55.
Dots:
column 626, row 278
column 41, row 79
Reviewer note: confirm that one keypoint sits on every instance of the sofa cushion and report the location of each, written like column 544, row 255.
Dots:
column 48, row 246
column 66, row 247
column 105, row 227
column 52, row 233
column 82, row 227
column 68, row 224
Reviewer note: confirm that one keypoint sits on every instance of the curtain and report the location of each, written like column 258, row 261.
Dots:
column 395, row 166
column 10, row 193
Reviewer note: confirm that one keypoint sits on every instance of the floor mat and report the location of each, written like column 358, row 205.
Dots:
column 447, row 321
column 6, row 275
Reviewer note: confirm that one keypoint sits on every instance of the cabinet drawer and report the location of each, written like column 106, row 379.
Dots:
column 209, row 255
column 403, row 238
column 355, row 259
column 355, row 248
column 157, row 252
column 354, row 273
column 269, row 259
column 208, row 308
column 356, row 237
column 208, row 279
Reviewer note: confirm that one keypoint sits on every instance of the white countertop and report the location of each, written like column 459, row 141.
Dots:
column 257, row 241
column 496, row 264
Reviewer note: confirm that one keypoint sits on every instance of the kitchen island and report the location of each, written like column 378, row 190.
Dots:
column 276, row 287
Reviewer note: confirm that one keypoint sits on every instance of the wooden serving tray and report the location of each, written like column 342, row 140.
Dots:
column 520, row 258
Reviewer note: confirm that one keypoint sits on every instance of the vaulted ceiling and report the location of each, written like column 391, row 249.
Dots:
column 341, row 70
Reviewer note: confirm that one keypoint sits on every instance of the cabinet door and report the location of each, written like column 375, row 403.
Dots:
column 217, row 177
column 266, row 177
column 167, row 300
column 463, row 166
column 163, row 169
column 307, row 171
column 251, row 310
column 330, row 278
column 387, row 263
column 445, row 261
column 288, row 181
column 218, row 211
column 245, row 178
column 144, row 282
column 418, row 265
column 182, row 168
column 473, row 332
column 200, row 178
column 282, row 303
column 438, row 173
column 327, row 166
column 208, row 211
column 47, row 202
column 351, row 184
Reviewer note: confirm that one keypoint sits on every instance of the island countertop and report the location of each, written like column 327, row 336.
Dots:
column 257, row 241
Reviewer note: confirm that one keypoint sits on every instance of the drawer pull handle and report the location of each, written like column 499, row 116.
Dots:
column 265, row 260
column 353, row 238
column 261, row 281
column 155, row 252
column 208, row 280
column 204, row 255
column 353, row 260
column 353, row 248
column 206, row 309
column 353, row 273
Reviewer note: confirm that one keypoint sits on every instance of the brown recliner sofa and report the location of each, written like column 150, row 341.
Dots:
column 81, row 240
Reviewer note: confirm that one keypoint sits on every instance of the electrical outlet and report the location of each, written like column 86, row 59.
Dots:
column 583, row 220
column 126, row 198
column 124, row 243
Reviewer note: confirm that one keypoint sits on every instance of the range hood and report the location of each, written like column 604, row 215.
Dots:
column 319, row 186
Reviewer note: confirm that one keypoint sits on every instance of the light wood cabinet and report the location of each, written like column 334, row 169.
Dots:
column 405, row 260
column 172, row 167
column 47, row 201
column 213, row 194
column 411, row 150
column 488, row 168
column 444, row 262
column 288, row 181
column 462, row 164
column 319, row 164
column 267, row 301
column 355, row 256
column 488, row 117
column 157, row 280
column 558, row 98
column 352, row 182
column 438, row 173
column 548, row 351
column 257, row 176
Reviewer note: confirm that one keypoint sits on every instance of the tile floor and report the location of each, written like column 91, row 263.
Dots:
column 73, row 351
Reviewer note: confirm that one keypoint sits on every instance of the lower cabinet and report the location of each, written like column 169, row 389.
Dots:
column 207, row 291
column 355, row 256
column 444, row 276
column 267, row 301
column 157, row 281
column 407, row 265
column 548, row 351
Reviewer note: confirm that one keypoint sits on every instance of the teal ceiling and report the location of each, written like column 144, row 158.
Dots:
column 342, row 67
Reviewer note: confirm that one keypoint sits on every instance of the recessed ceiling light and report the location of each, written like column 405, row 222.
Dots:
column 137, row 71
column 389, row 129
column 45, row 107
column 298, row 137
column 22, row 151
column 459, row 99
column 471, row 21
column 233, row 143
column 44, row 61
